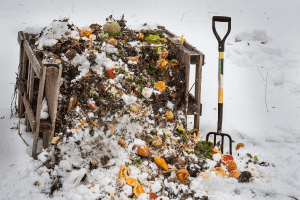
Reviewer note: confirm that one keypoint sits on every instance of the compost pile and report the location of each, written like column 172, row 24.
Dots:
column 120, row 124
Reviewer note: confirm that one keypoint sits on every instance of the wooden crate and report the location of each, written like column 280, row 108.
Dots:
column 187, row 54
column 48, row 73
column 31, row 70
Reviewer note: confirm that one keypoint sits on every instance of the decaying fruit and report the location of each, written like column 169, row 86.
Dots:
column 162, row 52
column 220, row 171
column 134, row 108
column 141, row 35
column 156, row 141
column 138, row 190
column 226, row 157
column 183, row 176
column 205, row 174
column 112, row 28
column 92, row 105
column 214, row 151
column 231, row 165
column 54, row 140
column 181, row 162
column 152, row 195
column 160, row 85
column 122, row 143
column 81, row 124
column 194, row 131
column 131, row 181
column 143, row 150
column 121, row 182
column 123, row 172
column 85, row 32
column 113, row 41
column 245, row 177
column 234, row 174
column 239, row 145
column 165, row 40
column 121, row 93
column 112, row 73
column 164, row 64
column 161, row 162
column 133, row 59
column 169, row 115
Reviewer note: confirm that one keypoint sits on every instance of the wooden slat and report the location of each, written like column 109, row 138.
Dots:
column 21, row 71
column 35, row 64
column 29, row 113
column 198, row 78
column 187, row 79
column 52, row 92
column 38, row 113
column 24, row 77
column 31, row 84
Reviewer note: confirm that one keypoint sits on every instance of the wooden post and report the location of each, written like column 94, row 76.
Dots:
column 38, row 112
column 198, row 78
column 187, row 79
column 21, row 71
column 52, row 86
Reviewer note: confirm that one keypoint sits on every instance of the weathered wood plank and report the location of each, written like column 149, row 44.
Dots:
column 55, row 99
column 198, row 78
column 31, row 84
column 29, row 113
column 27, row 91
column 24, row 77
column 45, row 128
column 31, row 56
column 21, row 71
column 38, row 112
column 52, row 92
column 187, row 79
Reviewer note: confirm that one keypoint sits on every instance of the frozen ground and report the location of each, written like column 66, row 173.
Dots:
column 272, row 135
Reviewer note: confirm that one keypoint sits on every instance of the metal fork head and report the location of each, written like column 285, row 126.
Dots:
column 215, row 134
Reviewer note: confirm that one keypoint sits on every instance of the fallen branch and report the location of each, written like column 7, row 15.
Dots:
column 19, row 127
column 266, row 90
column 260, row 73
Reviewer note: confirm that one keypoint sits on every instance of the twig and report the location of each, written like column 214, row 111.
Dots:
column 266, row 90
column 260, row 73
column 19, row 127
column 191, row 88
column 183, row 14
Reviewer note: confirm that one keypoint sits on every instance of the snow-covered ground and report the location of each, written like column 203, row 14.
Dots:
column 272, row 135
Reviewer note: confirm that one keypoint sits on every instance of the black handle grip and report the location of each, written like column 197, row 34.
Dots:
column 221, row 18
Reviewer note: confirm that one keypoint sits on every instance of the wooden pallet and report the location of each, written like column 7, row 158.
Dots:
column 31, row 69
column 187, row 55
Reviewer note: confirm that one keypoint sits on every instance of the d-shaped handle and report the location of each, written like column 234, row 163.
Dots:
column 221, row 19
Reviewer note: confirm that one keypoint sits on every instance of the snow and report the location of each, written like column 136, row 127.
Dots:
column 250, row 66
column 147, row 92
column 156, row 187
column 129, row 99
column 44, row 110
column 74, row 179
